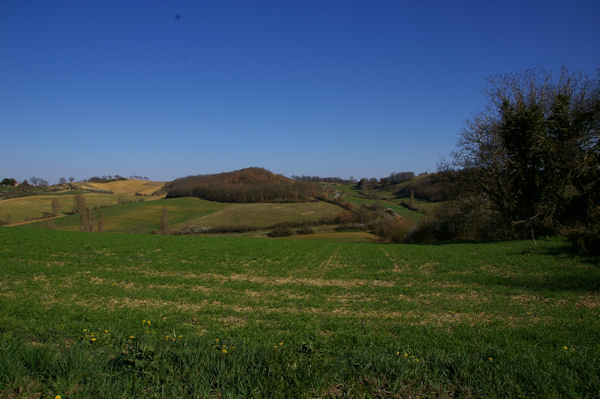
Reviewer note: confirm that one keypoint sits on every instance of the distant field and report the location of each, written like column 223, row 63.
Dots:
column 130, row 187
column 33, row 207
column 87, row 315
column 141, row 217
column 399, row 209
column 343, row 236
column 264, row 215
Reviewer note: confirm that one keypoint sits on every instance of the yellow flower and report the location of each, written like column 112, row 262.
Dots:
column 281, row 344
column 143, row 321
column 105, row 331
column 132, row 336
column 405, row 354
column 275, row 347
column 565, row 347
column 57, row 397
column 93, row 339
column 397, row 353
column 490, row 358
column 85, row 330
column 224, row 350
column 148, row 322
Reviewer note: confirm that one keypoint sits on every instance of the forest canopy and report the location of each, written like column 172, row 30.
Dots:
column 244, row 185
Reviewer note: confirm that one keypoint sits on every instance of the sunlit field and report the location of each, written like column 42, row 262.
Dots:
column 120, row 315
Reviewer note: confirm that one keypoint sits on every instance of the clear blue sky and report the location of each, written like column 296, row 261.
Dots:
column 332, row 88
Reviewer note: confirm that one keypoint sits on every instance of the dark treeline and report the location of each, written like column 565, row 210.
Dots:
column 433, row 187
column 318, row 179
column 243, row 186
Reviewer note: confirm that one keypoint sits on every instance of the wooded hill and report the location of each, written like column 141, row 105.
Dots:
column 244, row 185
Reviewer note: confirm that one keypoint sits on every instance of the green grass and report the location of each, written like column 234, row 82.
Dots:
column 265, row 215
column 239, row 317
column 399, row 209
column 141, row 217
column 34, row 207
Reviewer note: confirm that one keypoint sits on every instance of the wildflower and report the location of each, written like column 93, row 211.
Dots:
column 85, row 330
column 275, row 347
column 566, row 348
column 93, row 339
column 281, row 344
column 148, row 322
column 147, row 332
column 131, row 336
column 57, row 397
column 143, row 321
column 397, row 353
column 405, row 354
column 106, row 331
column 490, row 358
column 224, row 350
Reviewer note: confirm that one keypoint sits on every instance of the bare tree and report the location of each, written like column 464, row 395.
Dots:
column 71, row 179
column 55, row 206
column 86, row 220
column 164, row 221
column 80, row 203
column 62, row 180
column 100, row 221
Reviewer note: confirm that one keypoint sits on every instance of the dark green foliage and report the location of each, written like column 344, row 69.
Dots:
column 534, row 155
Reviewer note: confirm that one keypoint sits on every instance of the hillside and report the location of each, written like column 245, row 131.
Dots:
column 124, row 187
column 243, row 186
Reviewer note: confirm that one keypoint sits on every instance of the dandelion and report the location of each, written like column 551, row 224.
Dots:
column 405, row 354
column 490, row 358
column 105, row 331
column 143, row 321
column 93, row 339
column 224, row 350
column 148, row 322
column 281, row 344
column 57, row 397
column 397, row 353
column 131, row 336
column 275, row 347
column 85, row 330
column 566, row 348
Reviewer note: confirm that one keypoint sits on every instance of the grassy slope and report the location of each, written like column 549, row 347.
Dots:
column 141, row 217
column 127, row 186
column 33, row 207
column 399, row 209
column 234, row 317
column 264, row 215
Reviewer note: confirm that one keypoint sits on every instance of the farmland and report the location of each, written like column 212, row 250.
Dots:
column 107, row 315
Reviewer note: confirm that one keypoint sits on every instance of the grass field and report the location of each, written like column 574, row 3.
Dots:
column 130, row 187
column 141, row 217
column 265, row 215
column 33, row 207
column 399, row 209
column 111, row 315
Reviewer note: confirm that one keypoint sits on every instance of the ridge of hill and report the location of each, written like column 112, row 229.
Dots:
column 245, row 185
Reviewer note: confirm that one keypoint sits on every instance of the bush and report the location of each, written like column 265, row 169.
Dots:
column 585, row 239
column 305, row 230
column 469, row 219
column 281, row 231
column 395, row 230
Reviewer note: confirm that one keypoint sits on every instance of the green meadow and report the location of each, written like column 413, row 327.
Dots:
column 144, row 316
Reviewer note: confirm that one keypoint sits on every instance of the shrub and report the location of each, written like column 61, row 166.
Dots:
column 395, row 230
column 305, row 230
column 281, row 231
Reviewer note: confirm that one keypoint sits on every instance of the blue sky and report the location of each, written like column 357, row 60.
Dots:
column 166, row 89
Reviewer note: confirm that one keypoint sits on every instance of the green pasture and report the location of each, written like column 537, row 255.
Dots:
column 265, row 215
column 399, row 209
column 140, row 217
column 145, row 316
column 34, row 207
